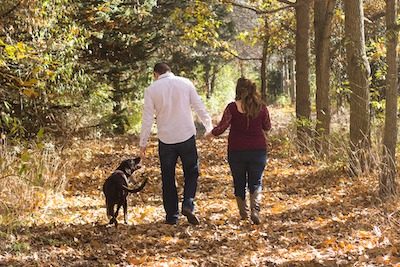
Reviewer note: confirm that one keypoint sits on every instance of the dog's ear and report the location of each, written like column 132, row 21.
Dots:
column 125, row 166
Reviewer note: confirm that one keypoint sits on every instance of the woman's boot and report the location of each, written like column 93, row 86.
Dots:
column 255, row 200
column 243, row 211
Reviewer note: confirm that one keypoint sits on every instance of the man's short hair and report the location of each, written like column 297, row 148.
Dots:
column 161, row 68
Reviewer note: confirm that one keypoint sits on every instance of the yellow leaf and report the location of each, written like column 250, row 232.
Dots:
column 329, row 241
column 30, row 93
column 277, row 208
column 137, row 261
column 29, row 83
column 10, row 50
column 21, row 47
column 364, row 234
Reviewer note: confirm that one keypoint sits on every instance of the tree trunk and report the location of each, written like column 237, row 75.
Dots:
column 285, row 75
column 292, row 83
column 118, row 119
column 323, row 12
column 207, row 79
column 358, row 71
column 213, row 79
column 303, row 105
column 388, row 174
column 263, row 70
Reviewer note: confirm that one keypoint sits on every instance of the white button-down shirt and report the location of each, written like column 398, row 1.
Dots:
column 171, row 99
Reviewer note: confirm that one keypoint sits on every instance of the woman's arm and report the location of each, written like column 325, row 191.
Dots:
column 224, row 123
column 266, row 124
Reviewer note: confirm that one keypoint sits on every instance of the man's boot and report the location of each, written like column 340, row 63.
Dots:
column 255, row 200
column 243, row 211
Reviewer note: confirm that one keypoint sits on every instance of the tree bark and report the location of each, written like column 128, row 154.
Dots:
column 118, row 119
column 285, row 75
column 303, row 105
column 388, row 173
column 358, row 70
column 292, row 83
column 323, row 13
column 263, row 70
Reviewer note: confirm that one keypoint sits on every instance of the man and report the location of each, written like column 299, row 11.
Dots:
column 171, row 99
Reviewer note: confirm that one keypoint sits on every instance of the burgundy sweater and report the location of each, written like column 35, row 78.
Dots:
column 244, row 134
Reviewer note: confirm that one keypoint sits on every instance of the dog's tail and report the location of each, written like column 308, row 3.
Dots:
column 135, row 190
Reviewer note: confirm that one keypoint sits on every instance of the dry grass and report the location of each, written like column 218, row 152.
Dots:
column 29, row 175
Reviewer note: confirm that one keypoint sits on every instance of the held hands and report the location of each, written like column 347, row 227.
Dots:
column 208, row 136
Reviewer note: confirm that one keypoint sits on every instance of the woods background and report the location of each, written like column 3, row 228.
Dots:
column 74, row 70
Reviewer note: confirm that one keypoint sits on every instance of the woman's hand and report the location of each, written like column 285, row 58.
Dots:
column 208, row 135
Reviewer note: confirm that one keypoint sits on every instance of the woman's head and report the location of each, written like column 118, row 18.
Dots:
column 244, row 88
column 246, row 92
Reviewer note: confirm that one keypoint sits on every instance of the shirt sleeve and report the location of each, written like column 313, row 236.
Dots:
column 224, row 123
column 199, row 108
column 267, row 121
column 147, row 119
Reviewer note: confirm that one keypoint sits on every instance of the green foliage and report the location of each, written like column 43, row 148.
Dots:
column 304, row 123
column 224, row 91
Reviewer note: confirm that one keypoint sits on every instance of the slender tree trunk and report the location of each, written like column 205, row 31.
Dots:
column 323, row 12
column 303, row 105
column 358, row 71
column 285, row 75
column 263, row 70
column 118, row 118
column 213, row 79
column 388, row 174
column 292, row 83
column 207, row 70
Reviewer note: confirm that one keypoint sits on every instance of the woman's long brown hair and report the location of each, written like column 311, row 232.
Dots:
column 246, row 91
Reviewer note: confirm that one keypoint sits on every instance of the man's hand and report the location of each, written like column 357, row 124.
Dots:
column 143, row 153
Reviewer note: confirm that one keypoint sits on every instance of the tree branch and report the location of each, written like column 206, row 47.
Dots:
column 377, row 16
column 259, row 11
column 242, row 58
column 293, row 4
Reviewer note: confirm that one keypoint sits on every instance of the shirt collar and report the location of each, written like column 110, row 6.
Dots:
column 167, row 74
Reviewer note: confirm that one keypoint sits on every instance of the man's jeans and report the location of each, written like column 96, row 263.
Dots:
column 169, row 154
column 247, row 167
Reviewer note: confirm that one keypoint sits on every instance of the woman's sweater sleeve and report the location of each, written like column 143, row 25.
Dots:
column 267, row 121
column 224, row 123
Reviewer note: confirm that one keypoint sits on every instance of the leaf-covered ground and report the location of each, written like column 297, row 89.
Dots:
column 313, row 215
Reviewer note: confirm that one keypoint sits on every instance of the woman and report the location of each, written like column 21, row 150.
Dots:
column 248, row 119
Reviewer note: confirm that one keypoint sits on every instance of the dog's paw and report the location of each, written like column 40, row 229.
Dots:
column 113, row 221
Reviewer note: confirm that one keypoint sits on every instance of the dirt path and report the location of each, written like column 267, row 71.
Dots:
column 312, row 215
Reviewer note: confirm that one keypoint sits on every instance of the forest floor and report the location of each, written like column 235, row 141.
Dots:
column 313, row 215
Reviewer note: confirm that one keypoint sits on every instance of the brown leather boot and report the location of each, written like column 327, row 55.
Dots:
column 243, row 210
column 255, row 200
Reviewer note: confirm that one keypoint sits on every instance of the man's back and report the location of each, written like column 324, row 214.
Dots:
column 171, row 98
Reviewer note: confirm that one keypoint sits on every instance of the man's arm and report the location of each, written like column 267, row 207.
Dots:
column 200, row 109
column 147, row 122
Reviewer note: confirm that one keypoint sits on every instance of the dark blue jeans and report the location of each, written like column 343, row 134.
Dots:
column 169, row 154
column 247, row 168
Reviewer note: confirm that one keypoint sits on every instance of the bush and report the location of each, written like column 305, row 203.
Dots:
column 29, row 175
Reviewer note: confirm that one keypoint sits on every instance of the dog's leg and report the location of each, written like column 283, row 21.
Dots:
column 114, row 219
column 110, row 209
column 125, row 206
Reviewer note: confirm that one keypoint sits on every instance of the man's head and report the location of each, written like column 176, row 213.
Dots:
column 161, row 68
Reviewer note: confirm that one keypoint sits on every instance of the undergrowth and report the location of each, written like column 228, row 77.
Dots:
column 29, row 175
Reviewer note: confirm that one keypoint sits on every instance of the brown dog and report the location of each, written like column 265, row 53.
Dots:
column 116, row 189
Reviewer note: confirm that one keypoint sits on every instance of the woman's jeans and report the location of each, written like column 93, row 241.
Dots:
column 169, row 154
column 247, row 168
